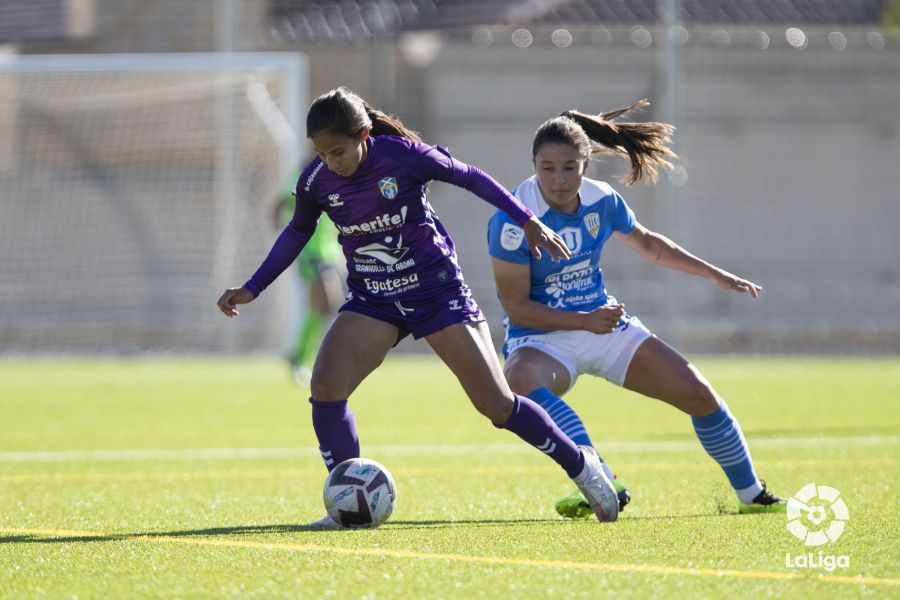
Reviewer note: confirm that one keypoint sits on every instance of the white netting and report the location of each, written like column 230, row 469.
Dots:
column 133, row 193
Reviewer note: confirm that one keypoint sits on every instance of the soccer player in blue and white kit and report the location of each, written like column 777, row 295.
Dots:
column 370, row 177
column 561, row 322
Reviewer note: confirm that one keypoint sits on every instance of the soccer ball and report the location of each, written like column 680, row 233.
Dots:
column 359, row 493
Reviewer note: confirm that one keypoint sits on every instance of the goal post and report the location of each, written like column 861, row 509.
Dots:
column 133, row 190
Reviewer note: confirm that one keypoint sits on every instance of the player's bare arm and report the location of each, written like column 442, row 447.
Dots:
column 657, row 248
column 604, row 319
column 514, row 284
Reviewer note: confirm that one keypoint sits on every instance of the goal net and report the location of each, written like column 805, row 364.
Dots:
column 133, row 190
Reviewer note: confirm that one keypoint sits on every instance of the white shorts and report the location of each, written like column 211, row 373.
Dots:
column 604, row 355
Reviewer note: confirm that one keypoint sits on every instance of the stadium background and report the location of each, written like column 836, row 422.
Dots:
column 135, row 185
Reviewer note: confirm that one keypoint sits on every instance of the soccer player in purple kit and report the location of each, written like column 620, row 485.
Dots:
column 370, row 177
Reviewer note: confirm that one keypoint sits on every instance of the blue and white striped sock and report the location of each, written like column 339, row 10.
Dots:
column 722, row 438
column 562, row 414
column 566, row 419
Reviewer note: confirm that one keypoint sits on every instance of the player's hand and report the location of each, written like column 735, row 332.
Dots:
column 540, row 236
column 727, row 281
column 231, row 298
column 605, row 319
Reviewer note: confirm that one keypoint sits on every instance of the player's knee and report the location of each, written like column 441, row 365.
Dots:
column 701, row 400
column 326, row 389
column 521, row 379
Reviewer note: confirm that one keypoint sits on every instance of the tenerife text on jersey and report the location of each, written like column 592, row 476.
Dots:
column 379, row 224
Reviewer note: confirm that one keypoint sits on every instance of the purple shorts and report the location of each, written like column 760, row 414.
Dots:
column 420, row 318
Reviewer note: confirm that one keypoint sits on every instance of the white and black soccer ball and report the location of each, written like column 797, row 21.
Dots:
column 359, row 493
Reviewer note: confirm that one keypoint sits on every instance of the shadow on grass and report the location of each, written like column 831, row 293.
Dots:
column 240, row 530
column 21, row 538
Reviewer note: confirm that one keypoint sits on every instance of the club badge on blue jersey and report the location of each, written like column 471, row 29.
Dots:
column 592, row 222
column 388, row 187
column 572, row 237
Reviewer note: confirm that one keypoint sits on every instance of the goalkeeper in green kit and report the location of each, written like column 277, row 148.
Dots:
column 318, row 266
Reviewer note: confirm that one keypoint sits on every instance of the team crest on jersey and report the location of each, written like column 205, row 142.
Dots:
column 388, row 187
column 592, row 222
column 572, row 237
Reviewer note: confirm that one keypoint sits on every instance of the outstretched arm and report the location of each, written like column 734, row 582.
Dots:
column 514, row 287
column 436, row 163
column 537, row 235
column 283, row 253
column 661, row 250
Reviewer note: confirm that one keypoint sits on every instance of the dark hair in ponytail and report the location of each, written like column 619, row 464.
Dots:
column 646, row 145
column 343, row 112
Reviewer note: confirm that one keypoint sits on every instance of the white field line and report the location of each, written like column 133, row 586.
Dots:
column 424, row 449
column 442, row 471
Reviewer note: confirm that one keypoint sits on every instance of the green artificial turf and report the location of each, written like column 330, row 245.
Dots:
column 193, row 478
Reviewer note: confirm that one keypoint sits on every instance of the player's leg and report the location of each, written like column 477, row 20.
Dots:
column 467, row 349
column 323, row 285
column 331, row 292
column 532, row 372
column 313, row 322
column 659, row 371
column 310, row 322
column 352, row 348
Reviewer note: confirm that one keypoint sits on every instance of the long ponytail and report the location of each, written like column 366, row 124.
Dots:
column 646, row 145
column 384, row 124
column 341, row 111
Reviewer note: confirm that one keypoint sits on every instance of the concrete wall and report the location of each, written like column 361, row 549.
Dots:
column 791, row 161
column 788, row 160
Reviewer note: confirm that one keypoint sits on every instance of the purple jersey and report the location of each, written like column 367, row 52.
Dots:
column 394, row 244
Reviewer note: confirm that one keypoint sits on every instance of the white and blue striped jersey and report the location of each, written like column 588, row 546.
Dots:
column 575, row 284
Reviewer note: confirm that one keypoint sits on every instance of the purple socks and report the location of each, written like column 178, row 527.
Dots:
column 532, row 423
column 336, row 430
